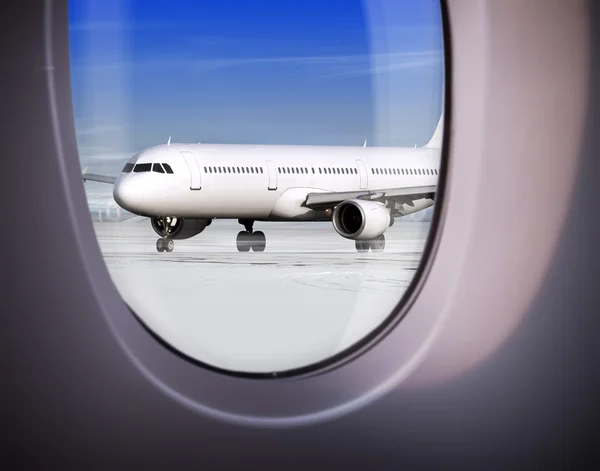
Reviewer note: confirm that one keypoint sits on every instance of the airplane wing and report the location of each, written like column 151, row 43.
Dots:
column 325, row 200
column 94, row 177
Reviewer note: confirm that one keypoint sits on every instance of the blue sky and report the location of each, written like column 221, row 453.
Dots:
column 330, row 72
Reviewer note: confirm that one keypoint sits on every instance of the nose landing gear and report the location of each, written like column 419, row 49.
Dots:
column 166, row 225
column 249, row 239
column 165, row 245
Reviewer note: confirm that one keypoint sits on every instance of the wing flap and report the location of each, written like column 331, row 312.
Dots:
column 323, row 200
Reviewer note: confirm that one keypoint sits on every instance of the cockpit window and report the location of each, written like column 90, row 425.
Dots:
column 157, row 168
column 168, row 168
column 142, row 168
column 128, row 168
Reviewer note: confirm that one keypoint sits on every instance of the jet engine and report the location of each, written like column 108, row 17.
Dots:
column 179, row 228
column 360, row 219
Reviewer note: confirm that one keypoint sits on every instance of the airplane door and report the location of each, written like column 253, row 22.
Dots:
column 272, row 175
column 192, row 163
column 364, row 176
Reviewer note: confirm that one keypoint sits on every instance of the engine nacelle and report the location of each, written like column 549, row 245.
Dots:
column 180, row 228
column 360, row 219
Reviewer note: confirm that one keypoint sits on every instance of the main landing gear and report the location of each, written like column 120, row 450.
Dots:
column 376, row 245
column 249, row 239
column 165, row 244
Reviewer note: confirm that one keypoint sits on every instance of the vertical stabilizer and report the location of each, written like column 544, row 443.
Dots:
column 436, row 140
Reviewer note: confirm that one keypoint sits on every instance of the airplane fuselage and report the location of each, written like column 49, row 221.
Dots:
column 265, row 183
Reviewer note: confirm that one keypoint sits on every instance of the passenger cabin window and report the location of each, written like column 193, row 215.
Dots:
column 142, row 168
column 295, row 295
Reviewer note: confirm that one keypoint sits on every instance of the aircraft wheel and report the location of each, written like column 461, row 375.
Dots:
column 378, row 244
column 362, row 245
column 169, row 245
column 160, row 245
column 259, row 241
column 243, row 241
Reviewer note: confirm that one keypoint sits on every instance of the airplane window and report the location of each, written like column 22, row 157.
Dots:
column 142, row 167
column 158, row 168
column 246, row 75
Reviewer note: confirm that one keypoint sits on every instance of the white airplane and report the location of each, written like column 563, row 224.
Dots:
column 183, row 187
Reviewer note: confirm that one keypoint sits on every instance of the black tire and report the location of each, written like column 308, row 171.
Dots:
column 160, row 246
column 169, row 245
column 362, row 245
column 259, row 241
column 243, row 241
column 378, row 244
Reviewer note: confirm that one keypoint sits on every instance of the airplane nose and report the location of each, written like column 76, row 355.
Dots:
column 127, row 195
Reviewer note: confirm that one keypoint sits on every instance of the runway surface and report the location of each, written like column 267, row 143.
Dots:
column 308, row 296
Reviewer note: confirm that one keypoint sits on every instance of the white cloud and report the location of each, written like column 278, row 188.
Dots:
column 335, row 64
column 100, row 129
column 124, row 25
